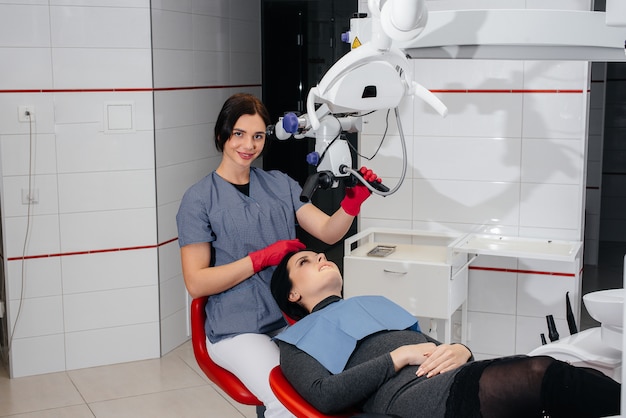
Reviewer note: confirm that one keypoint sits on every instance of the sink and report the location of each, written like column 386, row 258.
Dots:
column 606, row 306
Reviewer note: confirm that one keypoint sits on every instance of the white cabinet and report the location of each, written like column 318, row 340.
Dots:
column 512, row 284
column 423, row 274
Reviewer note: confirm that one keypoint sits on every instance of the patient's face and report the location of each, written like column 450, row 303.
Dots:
column 312, row 275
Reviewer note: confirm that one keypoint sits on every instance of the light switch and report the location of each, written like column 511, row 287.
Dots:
column 119, row 117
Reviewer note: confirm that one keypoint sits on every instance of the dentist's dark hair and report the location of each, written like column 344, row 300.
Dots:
column 281, row 286
column 234, row 107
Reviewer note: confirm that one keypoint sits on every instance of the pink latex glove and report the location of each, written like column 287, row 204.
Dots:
column 272, row 254
column 356, row 195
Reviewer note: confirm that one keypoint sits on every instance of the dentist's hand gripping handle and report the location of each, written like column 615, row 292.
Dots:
column 375, row 182
column 355, row 196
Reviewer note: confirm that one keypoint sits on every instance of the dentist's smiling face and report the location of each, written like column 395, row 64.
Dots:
column 247, row 140
column 313, row 277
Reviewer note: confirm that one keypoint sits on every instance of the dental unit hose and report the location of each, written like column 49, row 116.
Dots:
column 376, row 187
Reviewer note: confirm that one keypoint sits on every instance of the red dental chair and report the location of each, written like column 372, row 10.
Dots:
column 292, row 400
column 231, row 384
column 224, row 379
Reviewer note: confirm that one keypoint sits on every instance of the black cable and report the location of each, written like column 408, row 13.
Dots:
column 381, row 141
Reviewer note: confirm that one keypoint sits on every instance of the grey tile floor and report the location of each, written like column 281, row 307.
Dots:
column 174, row 386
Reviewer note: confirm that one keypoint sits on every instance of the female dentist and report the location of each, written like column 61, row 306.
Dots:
column 234, row 226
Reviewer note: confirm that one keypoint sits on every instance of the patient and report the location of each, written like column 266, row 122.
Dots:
column 366, row 352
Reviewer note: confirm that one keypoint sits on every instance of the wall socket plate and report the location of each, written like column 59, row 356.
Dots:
column 30, row 198
column 21, row 113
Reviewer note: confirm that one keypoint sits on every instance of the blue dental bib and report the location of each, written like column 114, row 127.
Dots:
column 331, row 334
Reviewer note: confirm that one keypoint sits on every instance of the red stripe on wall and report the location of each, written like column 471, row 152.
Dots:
column 516, row 91
column 124, row 89
column 505, row 270
column 143, row 247
column 106, row 250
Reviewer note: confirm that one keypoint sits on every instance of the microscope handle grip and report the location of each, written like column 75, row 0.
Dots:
column 323, row 179
column 379, row 186
column 310, row 186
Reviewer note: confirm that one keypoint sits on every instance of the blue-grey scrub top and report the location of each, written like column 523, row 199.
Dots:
column 214, row 211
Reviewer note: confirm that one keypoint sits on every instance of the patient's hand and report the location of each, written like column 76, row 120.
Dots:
column 443, row 358
column 413, row 354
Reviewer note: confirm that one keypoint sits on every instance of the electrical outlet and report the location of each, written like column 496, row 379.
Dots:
column 31, row 198
column 26, row 113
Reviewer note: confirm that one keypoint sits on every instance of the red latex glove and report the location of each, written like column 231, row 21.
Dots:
column 272, row 254
column 356, row 195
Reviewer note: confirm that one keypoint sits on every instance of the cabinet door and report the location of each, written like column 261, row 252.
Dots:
column 422, row 289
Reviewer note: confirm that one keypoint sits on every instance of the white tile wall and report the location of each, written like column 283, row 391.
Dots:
column 491, row 334
column 92, row 310
column 467, row 202
column 492, row 292
column 100, row 152
column 170, row 306
column 44, row 186
column 482, row 115
column 115, row 270
column 38, row 355
column 102, row 3
column 540, row 296
column 31, row 321
column 85, row 68
column 551, row 206
column 555, row 115
column 396, row 206
column 16, row 155
column 475, row 159
column 26, row 68
column 24, row 26
column 552, row 161
column 41, row 235
column 172, row 30
column 112, row 345
column 171, row 330
column 107, row 229
column 108, row 27
column 470, row 74
column 554, row 75
column 103, row 191
column 42, row 278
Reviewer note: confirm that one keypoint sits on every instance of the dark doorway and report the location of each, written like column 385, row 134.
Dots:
column 301, row 41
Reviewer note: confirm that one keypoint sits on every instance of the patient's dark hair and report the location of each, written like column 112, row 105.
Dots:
column 281, row 286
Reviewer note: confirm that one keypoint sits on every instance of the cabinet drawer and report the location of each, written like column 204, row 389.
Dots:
column 424, row 290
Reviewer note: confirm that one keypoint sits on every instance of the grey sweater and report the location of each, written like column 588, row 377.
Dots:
column 369, row 381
